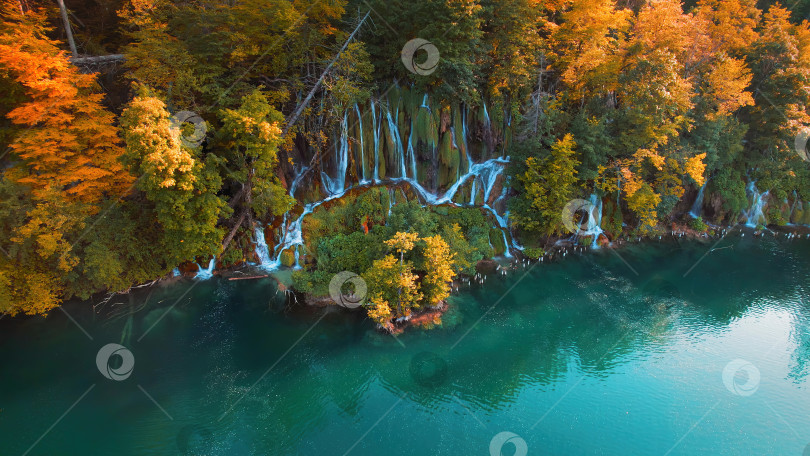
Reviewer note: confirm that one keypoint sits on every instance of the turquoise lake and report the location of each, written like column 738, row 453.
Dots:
column 670, row 347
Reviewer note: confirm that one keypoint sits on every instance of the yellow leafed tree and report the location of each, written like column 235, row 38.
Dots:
column 439, row 261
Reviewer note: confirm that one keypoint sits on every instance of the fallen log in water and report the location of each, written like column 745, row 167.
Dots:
column 250, row 277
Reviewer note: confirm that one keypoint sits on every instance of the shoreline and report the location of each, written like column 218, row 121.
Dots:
column 503, row 265
column 498, row 265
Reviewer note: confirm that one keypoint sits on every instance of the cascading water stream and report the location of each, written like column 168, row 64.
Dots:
column 593, row 227
column 412, row 153
column 362, row 145
column 486, row 115
column 393, row 132
column 297, row 180
column 792, row 207
column 262, row 251
column 486, row 172
column 376, row 128
column 207, row 273
column 754, row 215
column 490, row 168
column 464, row 137
column 697, row 207
column 596, row 227
column 338, row 184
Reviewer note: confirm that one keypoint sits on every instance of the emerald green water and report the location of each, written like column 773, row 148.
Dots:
column 580, row 356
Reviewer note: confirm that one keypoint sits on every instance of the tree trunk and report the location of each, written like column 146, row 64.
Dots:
column 230, row 235
column 94, row 60
column 300, row 109
column 293, row 118
column 67, row 29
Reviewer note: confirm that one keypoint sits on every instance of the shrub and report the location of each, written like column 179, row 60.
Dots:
column 534, row 252
column 775, row 216
column 698, row 224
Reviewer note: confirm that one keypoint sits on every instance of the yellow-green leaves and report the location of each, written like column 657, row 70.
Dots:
column 548, row 186
column 439, row 261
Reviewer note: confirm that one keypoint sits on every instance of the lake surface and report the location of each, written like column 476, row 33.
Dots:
column 594, row 354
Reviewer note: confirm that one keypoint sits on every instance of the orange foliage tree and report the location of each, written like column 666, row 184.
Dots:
column 68, row 140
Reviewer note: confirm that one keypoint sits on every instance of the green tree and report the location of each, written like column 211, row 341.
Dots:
column 251, row 135
column 549, row 185
column 180, row 183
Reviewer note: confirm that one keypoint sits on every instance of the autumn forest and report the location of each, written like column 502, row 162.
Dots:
column 143, row 139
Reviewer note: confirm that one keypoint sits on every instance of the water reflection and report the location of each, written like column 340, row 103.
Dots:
column 569, row 326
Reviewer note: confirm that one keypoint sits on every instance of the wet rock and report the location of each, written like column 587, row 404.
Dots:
column 486, row 266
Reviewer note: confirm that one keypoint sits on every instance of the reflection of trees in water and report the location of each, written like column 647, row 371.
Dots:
column 593, row 321
column 592, row 312
column 728, row 280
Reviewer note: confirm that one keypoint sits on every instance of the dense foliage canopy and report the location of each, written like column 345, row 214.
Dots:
column 637, row 102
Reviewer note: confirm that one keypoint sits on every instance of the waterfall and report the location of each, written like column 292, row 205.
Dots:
column 486, row 114
column 503, row 223
column 455, row 146
column 337, row 184
column 363, row 179
column 595, row 219
column 491, row 168
column 412, row 153
column 393, row 131
column 697, row 207
column 754, row 215
column 292, row 237
column 262, row 251
column 792, row 207
column 376, row 128
column 399, row 165
column 489, row 177
column 464, row 137
column 207, row 273
column 594, row 224
column 297, row 180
